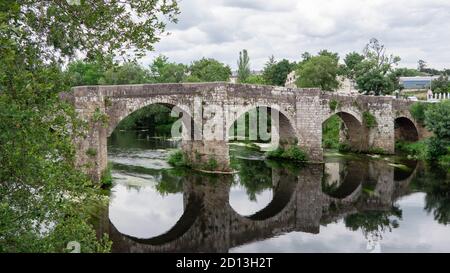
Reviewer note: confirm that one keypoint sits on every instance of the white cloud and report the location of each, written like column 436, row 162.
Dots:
column 412, row 29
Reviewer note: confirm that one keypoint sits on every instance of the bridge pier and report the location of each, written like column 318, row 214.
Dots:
column 204, row 155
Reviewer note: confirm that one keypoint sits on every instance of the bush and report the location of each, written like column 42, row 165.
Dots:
column 416, row 149
column 344, row 147
column 212, row 164
column 418, row 110
column 295, row 153
column 178, row 159
column 292, row 153
column 331, row 129
column 333, row 104
column 436, row 148
column 437, row 119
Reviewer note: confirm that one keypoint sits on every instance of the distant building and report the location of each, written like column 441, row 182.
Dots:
column 415, row 83
column 290, row 80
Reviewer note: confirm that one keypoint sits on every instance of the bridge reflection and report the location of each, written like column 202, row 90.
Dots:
column 302, row 201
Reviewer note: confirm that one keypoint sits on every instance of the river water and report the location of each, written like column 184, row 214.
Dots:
column 349, row 204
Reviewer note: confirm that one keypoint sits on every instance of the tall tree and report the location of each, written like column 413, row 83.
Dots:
column 374, row 74
column 421, row 65
column 243, row 66
column 43, row 199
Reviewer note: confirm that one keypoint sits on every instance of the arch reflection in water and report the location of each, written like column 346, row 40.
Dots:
column 209, row 222
column 138, row 208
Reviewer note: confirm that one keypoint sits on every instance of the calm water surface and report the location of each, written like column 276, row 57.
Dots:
column 349, row 204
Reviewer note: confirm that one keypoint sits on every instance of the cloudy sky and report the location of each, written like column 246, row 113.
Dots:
column 412, row 29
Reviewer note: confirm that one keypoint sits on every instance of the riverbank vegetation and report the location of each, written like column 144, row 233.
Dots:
column 292, row 153
column 436, row 118
column 45, row 202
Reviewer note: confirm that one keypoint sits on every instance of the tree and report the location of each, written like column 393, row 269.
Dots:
column 441, row 84
column 208, row 70
column 421, row 65
column 85, row 73
column 437, row 120
column 275, row 73
column 127, row 73
column 374, row 74
column 44, row 201
column 243, row 66
column 351, row 62
column 318, row 71
column 163, row 71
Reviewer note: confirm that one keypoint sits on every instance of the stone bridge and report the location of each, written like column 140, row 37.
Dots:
column 209, row 111
column 210, row 224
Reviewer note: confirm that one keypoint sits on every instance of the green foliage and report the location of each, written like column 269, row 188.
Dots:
column 211, row 164
column 156, row 118
column 106, row 179
column 352, row 61
column 43, row 199
column 127, row 73
column 418, row 110
column 243, row 66
column 293, row 153
column 255, row 79
column 436, row 148
column 319, row 71
column 330, row 132
column 91, row 152
column 275, row 73
column 408, row 72
column 163, row 71
column 101, row 117
column 437, row 119
column 415, row 149
column 178, row 159
column 334, row 104
column 376, row 150
column 208, row 70
column 85, row 73
column 441, row 84
column 375, row 73
column 369, row 120
column 344, row 147
column 374, row 221
column 255, row 176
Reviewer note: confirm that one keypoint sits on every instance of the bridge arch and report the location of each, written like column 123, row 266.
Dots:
column 121, row 109
column 352, row 134
column 406, row 129
column 281, row 126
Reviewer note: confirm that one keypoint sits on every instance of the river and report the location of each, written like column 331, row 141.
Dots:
column 352, row 203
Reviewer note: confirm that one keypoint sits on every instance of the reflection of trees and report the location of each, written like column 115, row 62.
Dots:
column 170, row 183
column 436, row 184
column 254, row 175
column 374, row 222
column 331, row 187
